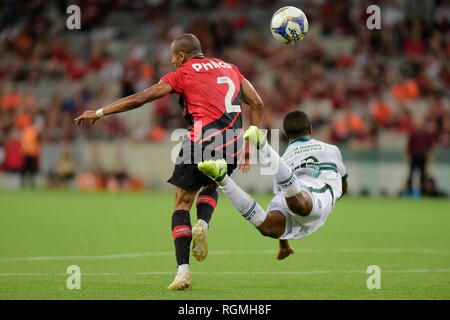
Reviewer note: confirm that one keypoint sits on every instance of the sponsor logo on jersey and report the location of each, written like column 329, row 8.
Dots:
column 301, row 149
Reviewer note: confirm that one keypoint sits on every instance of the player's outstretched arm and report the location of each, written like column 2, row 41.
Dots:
column 344, row 186
column 252, row 98
column 285, row 250
column 128, row 103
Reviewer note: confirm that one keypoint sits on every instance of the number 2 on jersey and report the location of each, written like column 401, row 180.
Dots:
column 230, row 108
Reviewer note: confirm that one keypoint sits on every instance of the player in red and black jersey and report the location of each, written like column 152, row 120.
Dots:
column 211, row 98
column 211, row 94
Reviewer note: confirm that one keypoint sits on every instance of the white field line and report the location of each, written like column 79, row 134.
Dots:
column 101, row 274
column 127, row 255
column 229, row 252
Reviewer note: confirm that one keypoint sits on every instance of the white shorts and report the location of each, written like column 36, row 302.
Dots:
column 298, row 226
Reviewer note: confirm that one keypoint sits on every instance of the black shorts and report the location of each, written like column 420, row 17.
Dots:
column 186, row 174
column 189, row 178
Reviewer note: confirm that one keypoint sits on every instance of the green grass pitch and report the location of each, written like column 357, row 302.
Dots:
column 123, row 246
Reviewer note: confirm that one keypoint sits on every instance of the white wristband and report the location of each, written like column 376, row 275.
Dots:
column 99, row 113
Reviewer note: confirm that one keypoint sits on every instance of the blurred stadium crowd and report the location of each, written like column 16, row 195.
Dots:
column 358, row 85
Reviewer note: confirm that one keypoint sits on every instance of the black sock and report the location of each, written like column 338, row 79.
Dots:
column 182, row 235
column 206, row 203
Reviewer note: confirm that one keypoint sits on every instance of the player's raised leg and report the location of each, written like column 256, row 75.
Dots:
column 283, row 175
column 271, row 224
column 206, row 203
column 298, row 201
column 182, row 236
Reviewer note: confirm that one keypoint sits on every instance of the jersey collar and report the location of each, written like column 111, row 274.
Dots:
column 302, row 139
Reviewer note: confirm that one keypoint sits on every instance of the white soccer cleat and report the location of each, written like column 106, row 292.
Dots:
column 200, row 243
column 182, row 281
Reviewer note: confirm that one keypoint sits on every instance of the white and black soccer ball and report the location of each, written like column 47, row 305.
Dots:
column 289, row 25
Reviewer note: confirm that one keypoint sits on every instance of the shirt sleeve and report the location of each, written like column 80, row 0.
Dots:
column 175, row 79
column 340, row 165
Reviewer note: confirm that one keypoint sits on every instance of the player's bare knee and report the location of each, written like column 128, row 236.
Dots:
column 268, row 231
column 300, row 204
column 265, row 228
column 273, row 226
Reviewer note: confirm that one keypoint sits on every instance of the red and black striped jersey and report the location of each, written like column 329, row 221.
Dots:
column 211, row 98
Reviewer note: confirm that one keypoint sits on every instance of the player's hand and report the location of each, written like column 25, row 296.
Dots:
column 88, row 115
column 284, row 252
column 244, row 161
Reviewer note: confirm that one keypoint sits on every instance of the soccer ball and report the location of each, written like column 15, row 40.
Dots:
column 289, row 25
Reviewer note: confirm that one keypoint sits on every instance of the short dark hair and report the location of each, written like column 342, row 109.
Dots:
column 296, row 124
column 187, row 43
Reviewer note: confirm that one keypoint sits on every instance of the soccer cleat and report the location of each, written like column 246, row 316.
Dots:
column 215, row 169
column 182, row 281
column 255, row 136
column 200, row 244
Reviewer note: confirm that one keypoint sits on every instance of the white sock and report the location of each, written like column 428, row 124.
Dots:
column 182, row 267
column 243, row 202
column 206, row 223
column 284, row 176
